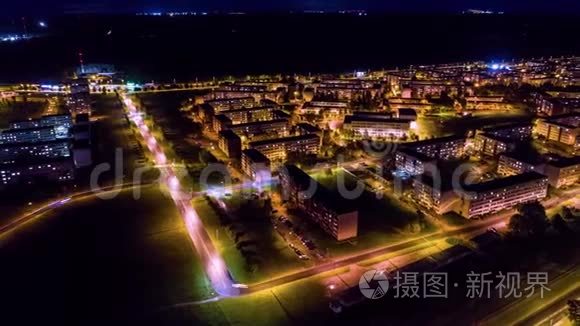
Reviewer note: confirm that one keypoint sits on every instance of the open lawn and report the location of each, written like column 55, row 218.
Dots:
column 100, row 261
column 267, row 255
column 300, row 302
column 19, row 110
column 438, row 126
column 381, row 220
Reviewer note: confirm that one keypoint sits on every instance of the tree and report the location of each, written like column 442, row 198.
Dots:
column 567, row 213
column 560, row 225
column 530, row 221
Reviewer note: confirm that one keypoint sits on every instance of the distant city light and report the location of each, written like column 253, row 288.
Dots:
column 495, row 66
column 42, row 24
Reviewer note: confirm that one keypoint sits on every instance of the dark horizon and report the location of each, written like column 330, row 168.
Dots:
column 59, row 7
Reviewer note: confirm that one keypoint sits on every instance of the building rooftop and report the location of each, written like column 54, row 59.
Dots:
column 281, row 114
column 283, row 139
column 255, row 155
column 526, row 156
column 255, row 108
column 352, row 118
column 498, row 138
column 566, row 162
column 308, row 127
column 233, row 99
column 444, row 184
column 28, row 161
column 414, row 153
column 434, row 141
column 504, row 182
column 16, row 145
column 222, row 118
column 11, row 131
column 407, row 111
column 259, row 123
column 330, row 199
column 228, row 134
column 372, row 114
column 43, row 117
column 507, row 126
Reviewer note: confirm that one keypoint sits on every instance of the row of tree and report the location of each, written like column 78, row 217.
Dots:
column 531, row 221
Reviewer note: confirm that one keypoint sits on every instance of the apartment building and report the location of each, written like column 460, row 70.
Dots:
column 332, row 213
column 230, row 143
column 277, row 149
column 256, row 165
column 499, row 194
column 373, row 127
column 511, row 164
column 564, row 129
column 563, row 172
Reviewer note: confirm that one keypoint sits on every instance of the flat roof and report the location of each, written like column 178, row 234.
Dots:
column 383, row 115
column 255, row 155
column 281, row 113
column 283, row 139
column 407, row 111
column 498, row 138
column 525, row 156
column 414, row 153
column 566, row 161
column 50, row 142
column 232, row 99
column 330, row 199
column 308, row 127
column 507, row 126
column 255, row 108
column 351, row 118
column 427, row 179
column 222, row 117
column 434, row 141
column 28, row 161
column 258, row 123
column 10, row 131
column 504, row 182
column 42, row 117
column 229, row 134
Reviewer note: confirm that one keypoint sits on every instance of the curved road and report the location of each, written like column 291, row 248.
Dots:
column 25, row 218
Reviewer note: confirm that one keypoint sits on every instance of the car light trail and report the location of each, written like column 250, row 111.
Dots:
column 214, row 265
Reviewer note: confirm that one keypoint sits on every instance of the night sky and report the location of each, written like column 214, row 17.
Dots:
column 40, row 7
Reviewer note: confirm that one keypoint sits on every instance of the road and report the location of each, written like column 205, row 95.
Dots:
column 536, row 310
column 214, row 265
column 25, row 218
column 473, row 228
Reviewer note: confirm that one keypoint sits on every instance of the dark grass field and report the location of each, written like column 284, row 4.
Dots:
column 99, row 262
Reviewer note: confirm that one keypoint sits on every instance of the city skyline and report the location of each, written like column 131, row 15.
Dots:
column 289, row 169
column 58, row 7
